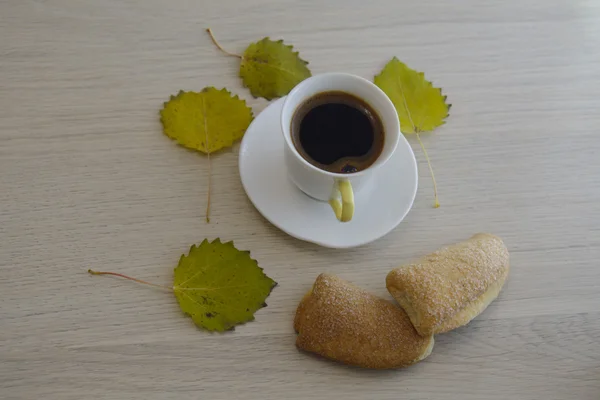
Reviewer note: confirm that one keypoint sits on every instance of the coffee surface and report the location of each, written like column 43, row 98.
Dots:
column 337, row 132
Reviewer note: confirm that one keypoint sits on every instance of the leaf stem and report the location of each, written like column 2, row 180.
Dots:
column 214, row 40
column 209, row 162
column 91, row 271
column 417, row 131
column 209, row 187
column 436, row 203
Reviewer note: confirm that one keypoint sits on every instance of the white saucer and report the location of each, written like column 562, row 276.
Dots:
column 377, row 211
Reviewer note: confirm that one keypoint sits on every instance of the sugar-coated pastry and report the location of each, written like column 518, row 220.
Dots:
column 450, row 287
column 343, row 322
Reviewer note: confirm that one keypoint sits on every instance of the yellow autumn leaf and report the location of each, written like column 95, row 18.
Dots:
column 206, row 121
column 269, row 68
column 421, row 107
column 217, row 285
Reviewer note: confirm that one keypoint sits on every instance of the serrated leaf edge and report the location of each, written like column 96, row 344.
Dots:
column 422, row 76
column 230, row 243
column 204, row 90
column 289, row 46
column 265, row 39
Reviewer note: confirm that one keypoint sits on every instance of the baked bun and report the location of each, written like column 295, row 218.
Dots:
column 451, row 286
column 342, row 322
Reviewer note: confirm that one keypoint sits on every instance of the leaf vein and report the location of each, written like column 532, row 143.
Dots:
column 275, row 66
column 406, row 106
column 179, row 288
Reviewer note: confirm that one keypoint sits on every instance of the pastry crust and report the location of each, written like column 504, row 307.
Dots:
column 343, row 322
column 448, row 288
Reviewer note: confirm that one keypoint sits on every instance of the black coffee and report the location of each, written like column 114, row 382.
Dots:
column 337, row 132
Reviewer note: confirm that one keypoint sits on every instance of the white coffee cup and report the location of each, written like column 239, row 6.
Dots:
column 337, row 188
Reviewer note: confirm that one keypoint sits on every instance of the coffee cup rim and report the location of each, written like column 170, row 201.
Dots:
column 286, row 123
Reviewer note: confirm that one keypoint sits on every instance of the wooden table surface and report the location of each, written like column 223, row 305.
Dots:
column 87, row 180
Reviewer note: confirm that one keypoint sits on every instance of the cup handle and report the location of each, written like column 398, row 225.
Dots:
column 342, row 200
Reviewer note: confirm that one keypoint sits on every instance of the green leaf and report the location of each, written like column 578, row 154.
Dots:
column 220, row 286
column 206, row 121
column 420, row 106
column 271, row 69
column 216, row 284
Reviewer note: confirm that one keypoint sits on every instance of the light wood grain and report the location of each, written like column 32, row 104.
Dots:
column 88, row 180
